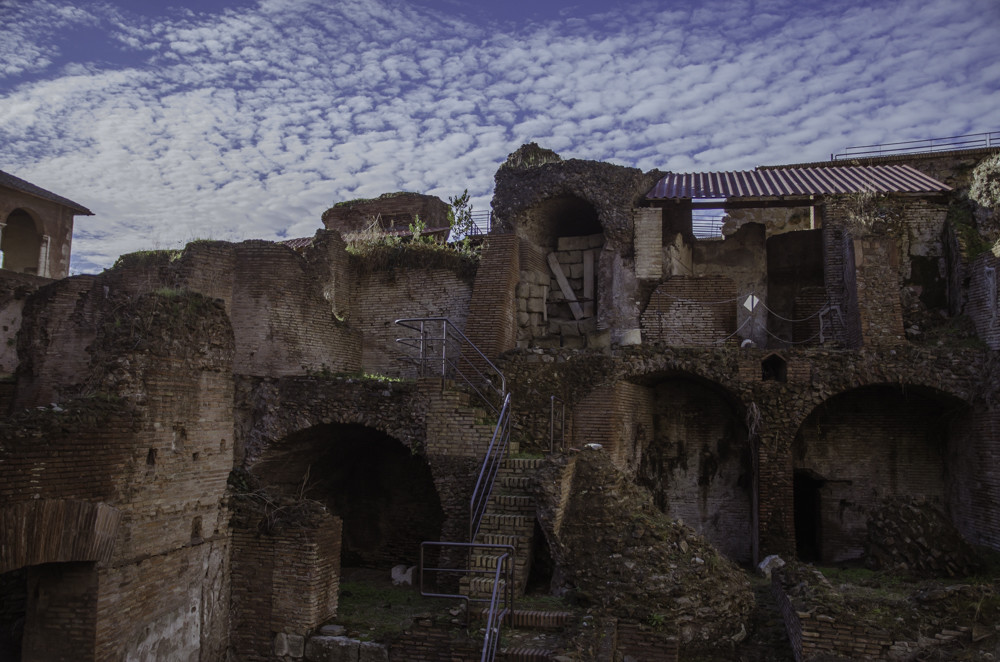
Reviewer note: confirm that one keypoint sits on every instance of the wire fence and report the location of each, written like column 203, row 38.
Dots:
column 829, row 321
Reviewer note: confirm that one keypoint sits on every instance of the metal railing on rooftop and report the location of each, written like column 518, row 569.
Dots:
column 928, row 145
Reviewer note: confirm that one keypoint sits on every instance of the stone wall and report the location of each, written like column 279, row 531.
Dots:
column 391, row 211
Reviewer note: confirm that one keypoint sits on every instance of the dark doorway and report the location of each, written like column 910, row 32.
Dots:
column 384, row 493
column 13, row 608
column 807, row 515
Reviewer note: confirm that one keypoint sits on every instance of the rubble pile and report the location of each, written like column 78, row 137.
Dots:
column 620, row 555
column 912, row 536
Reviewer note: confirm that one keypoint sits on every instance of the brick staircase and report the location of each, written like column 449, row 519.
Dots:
column 530, row 635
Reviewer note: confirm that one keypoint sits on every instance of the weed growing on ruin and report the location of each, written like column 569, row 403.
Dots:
column 871, row 212
column 146, row 258
column 375, row 250
column 985, row 188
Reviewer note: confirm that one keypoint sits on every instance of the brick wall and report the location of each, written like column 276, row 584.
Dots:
column 868, row 445
column 285, row 580
column 879, row 308
column 379, row 298
column 983, row 304
column 641, row 642
column 974, row 471
column 690, row 311
column 697, row 464
column 620, row 418
column 157, row 447
column 283, row 325
column 814, row 631
column 492, row 324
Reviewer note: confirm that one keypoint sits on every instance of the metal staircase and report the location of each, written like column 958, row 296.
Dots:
column 438, row 348
column 496, row 558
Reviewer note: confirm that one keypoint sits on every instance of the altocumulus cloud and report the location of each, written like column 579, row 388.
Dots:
column 250, row 121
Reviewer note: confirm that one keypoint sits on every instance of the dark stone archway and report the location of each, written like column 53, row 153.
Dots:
column 858, row 449
column 385, row 495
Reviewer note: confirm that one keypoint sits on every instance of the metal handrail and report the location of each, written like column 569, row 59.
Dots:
column 449, row 353
column 504, row 571
column 552, row 423
column 927, row 145
column 495, row 454
column 495, row 617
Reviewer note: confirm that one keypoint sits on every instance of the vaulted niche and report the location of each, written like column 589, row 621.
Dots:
column 562, row 240
column 795, row 288
column 384, row 494
column 21, row 243
column 562, row 216
column 860, row 448
column 697, row 464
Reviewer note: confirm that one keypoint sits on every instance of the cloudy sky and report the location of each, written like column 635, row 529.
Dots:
column 235, row 119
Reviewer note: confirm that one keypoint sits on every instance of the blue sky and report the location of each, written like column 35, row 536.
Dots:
column 239, row 119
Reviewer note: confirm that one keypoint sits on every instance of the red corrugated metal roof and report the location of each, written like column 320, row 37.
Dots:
column 783, row 182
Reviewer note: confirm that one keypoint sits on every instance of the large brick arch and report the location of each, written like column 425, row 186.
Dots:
column 56, row 531
column 861, row 447
column 269, row 411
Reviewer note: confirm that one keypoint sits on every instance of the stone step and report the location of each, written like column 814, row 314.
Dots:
column 504, row 524
column 526, row 654
column 502, row 539
column 510, row 504
column 534, row 619
column 511, row 483
column 520, row 466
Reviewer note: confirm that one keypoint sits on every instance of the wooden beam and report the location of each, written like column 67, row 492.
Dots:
column 564, row 286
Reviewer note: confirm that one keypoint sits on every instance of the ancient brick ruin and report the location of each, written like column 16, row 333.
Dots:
column 196, row 444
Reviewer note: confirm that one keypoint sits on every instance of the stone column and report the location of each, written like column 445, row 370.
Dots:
column 43, row 256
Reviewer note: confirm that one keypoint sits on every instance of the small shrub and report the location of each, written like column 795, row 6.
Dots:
column 985, row 188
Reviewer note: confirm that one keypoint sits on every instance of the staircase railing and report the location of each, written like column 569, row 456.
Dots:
column 488, row 472
column 501, row 600
column 497, row 612
column 440, row 348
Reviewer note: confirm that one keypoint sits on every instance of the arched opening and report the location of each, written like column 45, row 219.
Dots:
column 384, row 494
column 856, row 451
column 562, row 239
column 48, row 611
column 21, row 243
column 697, row 464
column 13, row 609
column 774, row 368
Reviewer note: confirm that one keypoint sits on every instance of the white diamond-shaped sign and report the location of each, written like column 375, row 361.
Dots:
column 751, row 303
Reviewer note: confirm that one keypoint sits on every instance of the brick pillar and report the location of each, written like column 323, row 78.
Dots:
column 492, row 323
column 876, row 260
column 776, row 514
